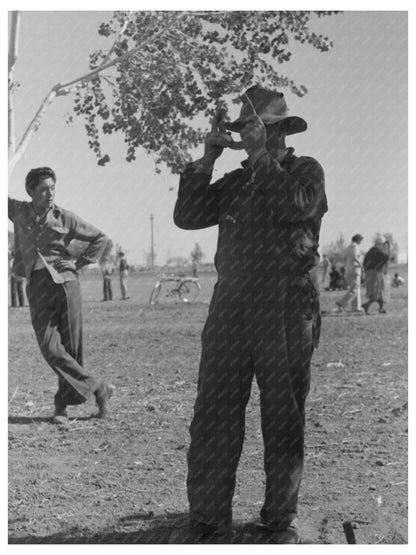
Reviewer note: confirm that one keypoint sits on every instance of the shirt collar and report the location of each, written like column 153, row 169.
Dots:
column 54, row 211
column 287, row 157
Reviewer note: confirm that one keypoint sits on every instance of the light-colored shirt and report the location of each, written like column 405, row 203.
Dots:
column 353, row 257
column 45, row 240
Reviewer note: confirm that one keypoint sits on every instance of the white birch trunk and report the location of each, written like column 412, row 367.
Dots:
column 14, row 38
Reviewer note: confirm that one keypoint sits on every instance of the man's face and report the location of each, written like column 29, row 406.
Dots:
column 276, row 135
column 43, row 194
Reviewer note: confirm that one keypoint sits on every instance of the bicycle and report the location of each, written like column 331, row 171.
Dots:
column 186, row 288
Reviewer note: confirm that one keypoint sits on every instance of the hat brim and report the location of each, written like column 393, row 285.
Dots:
column 293, row 124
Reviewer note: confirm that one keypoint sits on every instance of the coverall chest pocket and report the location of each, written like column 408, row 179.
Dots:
column 302, row 245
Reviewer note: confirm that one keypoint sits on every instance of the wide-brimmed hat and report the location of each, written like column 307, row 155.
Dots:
column 271, row 107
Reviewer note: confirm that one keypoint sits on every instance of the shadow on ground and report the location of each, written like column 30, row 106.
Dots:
column 152, row 530
column 24, row 420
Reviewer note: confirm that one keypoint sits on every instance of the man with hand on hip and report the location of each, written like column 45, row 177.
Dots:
column 43, row 231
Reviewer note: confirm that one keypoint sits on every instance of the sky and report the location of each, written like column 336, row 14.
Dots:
column 356, row 110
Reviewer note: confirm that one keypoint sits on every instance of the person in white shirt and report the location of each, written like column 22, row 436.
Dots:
column 353, row 265
column 326, row 267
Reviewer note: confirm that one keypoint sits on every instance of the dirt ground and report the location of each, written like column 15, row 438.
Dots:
column 122, row 480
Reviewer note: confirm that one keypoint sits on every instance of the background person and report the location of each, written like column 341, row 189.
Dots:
column 326, row 266
column 124, row 273
column 353, row 262
column 397, row 280
column 43, row 232
column 335, row 283
column 17, row 290
column 17, row 295
column 107, row 271
column 263, row 318
column 376, row 274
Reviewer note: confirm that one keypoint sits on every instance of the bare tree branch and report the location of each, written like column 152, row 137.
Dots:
column 68, row 87
column 79, row 82
column 117, row 39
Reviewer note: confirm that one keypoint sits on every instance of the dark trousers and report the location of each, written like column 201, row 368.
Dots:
column 264, row 328
column 17, row 292
column 107, row 289
column 56, row 315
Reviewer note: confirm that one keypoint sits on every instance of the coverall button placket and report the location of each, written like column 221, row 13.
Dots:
column 255, row 326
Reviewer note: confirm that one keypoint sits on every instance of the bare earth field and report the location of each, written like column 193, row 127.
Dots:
column 122, row 480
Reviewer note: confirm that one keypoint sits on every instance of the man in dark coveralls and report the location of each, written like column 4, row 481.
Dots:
column 263, row 319
column 43, row 231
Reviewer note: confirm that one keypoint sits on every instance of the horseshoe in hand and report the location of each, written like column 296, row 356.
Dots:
column 218, row 124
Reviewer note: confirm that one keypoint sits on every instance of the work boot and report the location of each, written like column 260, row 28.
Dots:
column 288, row 536
column 198, row 532
column 262, row 534
column 102, row 397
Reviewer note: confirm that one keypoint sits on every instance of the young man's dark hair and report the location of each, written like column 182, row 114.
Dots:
column 357, row 238
column 35, row 176
column 43, row 232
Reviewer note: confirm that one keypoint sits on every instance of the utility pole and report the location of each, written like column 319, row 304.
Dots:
column 152, row 249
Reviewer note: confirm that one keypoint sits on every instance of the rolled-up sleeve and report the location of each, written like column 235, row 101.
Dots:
column 295, row 196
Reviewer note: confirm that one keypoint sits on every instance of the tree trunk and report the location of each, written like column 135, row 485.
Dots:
column 31, row 129
column 14, row 38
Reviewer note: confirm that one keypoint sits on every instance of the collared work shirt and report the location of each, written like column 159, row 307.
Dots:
column 269, row 218
column 48, row 237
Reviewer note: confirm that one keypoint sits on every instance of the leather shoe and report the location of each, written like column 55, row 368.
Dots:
column 102, row 396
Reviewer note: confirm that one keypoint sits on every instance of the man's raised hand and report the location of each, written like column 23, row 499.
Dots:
column 253, row 134
column 217, row 139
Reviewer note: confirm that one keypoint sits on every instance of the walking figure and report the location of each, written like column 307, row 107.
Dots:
column 124, row 272
column 107, row 271
column 352, row 276
column 17, row 295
